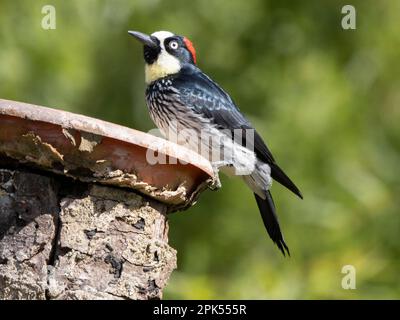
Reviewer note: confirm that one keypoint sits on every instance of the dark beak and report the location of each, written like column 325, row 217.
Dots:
column 144, row 38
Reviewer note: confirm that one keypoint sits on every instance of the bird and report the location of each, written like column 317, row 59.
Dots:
column 182, row 98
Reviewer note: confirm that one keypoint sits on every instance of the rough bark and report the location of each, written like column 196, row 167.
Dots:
column 64, row 239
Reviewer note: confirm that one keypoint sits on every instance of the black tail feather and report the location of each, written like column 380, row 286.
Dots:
column 268, row 214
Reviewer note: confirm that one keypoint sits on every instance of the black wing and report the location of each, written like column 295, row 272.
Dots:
column 211, row 101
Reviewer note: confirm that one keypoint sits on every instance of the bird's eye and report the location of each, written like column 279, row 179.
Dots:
column 174, row 45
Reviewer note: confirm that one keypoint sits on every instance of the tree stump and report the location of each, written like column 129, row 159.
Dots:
column 83, row 215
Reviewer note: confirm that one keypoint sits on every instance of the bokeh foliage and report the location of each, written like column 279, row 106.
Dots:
column 326, row 100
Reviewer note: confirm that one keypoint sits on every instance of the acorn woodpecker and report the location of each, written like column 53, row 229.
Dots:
column 180, row 97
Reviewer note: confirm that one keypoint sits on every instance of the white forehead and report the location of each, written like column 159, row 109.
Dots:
column 162, row 35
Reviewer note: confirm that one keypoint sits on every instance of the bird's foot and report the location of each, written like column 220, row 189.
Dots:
column 216, row 183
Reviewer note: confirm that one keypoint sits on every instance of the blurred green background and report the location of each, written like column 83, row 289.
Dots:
column 327, row 101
